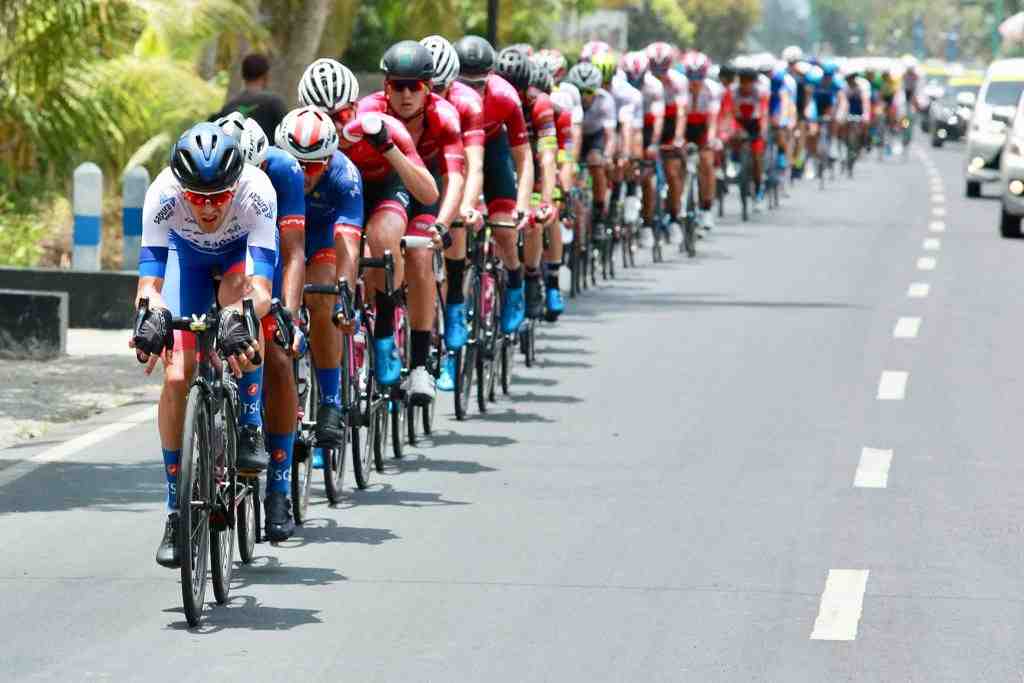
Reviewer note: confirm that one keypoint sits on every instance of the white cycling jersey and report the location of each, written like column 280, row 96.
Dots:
column 601, row 113
column 629, row 102
column 573, row 93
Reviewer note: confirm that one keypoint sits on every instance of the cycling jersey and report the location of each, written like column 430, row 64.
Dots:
column 502, row 106
column 653, row 93
column 703, row 109
column 629, row 102
column 563, row 123
column 335, row 204
column 675, row 86
column 286, row 177
column 539, row 113
column 470, row 106
column 372, row 164
column 827, row 94
column 575, row 99
column 601, row 113
column 751, row 105
column 440, row 142
column 858, row 91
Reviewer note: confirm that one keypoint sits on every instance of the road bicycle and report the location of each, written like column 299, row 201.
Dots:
column 215, row 500
column 691, row 200
column 438, row 350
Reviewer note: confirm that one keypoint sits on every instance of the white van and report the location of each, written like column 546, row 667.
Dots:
column 993, row 115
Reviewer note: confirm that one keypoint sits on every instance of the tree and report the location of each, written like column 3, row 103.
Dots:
column 721, row 25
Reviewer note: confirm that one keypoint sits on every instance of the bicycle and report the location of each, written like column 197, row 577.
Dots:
column 739, row 170
column 691, row 200
column 438, row 351
column 854, row 130
column 214, row 500
column 773, row 169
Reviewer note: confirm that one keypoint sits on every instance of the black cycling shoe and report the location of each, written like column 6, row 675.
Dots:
column 280, row 525
column 167, row 551
column 329, row 426
column 534, row 296
column 252, row 454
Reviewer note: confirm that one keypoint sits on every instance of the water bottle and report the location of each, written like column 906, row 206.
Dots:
column 631, row 209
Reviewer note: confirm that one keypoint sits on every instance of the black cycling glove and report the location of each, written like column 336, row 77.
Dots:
column 232, row 333
column 155, row 333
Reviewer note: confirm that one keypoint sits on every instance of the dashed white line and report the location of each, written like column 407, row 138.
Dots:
column 892, row 386
column 918, row 290
column 842, row 603
column 82, row 442
column 926, row 263
column 937, row 226
column 873, row 469
column 932, row 244
column 938, row 211
column 906, row 328
column 939, row 198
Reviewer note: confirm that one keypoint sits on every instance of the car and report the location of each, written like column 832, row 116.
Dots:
column 951, row 113
column 1011, row 174
column 993, row 114
column 934, row 77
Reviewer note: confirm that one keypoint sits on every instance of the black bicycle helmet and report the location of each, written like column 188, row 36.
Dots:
column 206, row 159
column 476, row 56
column 514, row 66
column 541, row 78
column 408, row 59
column 728, row 70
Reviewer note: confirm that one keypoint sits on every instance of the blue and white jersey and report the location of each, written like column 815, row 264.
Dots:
column 248, row 231
column 826, row 94
column 286, row 176
column 337, row 199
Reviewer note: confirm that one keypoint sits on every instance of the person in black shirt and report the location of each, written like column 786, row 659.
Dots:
column 255, row 101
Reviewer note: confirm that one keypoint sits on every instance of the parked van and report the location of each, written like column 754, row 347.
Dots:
column 993, row 115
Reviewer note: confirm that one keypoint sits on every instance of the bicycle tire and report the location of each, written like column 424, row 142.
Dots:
column 465, row 361
column 334, row 458
column 362, row 418
column 382, row 435
column 399, row 399
column 428, row 418
column 245, row 519
column 193, row 527
column 222, row 541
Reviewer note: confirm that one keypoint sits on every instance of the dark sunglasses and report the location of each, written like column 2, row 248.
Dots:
column 312, row 167
column 411, row 85
column 343, row 116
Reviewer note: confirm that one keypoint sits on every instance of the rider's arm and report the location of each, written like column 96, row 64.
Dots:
column 474, row 177
column 291, row 224
column 414, row 175
column 522, row 155
column 348, row 214
column 157, row 213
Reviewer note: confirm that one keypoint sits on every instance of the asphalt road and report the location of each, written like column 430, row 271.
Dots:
column 680, row 492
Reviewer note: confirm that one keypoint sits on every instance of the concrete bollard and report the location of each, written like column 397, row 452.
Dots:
column 133, row 195
column 88, row 207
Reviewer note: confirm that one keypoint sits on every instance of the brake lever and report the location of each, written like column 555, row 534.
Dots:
column 251, row 322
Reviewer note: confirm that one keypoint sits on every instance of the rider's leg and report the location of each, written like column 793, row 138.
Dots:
column 384, row 231
column 674, row 178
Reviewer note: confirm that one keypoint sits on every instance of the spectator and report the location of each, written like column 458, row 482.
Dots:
column 255, row 101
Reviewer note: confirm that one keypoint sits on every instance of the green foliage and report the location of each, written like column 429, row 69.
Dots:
column 20, row 235
column 721, row 25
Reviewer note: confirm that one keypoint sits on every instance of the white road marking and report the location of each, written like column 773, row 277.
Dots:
column 892, row 386
column 918, row 290
column 926, row 263
column 932, row 244
column 906, row 328
column 939, row 211
column 97, row 435
column 841, row 605
column 937, row 226
column 873, row 469
column 939, row 198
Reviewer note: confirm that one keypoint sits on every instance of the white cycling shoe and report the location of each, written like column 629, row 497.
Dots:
column 419, row 386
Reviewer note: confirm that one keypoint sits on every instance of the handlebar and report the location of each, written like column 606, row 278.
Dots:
column 344, row 294
column 387, row 263
column 207, row 322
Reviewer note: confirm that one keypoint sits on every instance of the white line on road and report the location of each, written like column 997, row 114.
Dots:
column 939, row 198
column 937, row 226
column 926, row 263
column 932, row 244
column 906, row 328
column 841, row 605
column 873, row 469
column 97, row 435
column 892, row 386
column 938, row 211
column 918, row 290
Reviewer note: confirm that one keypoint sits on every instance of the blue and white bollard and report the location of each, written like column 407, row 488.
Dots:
column 133, row 195
column 87, row 202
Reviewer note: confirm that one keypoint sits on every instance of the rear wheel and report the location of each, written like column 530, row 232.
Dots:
column 361, row 417
column 334, row 458
column 973, row 189
column 381, row 434
column 465, row 363
column 1009, row 225
column 428, row 418
column 194, row 489
column 302, row 479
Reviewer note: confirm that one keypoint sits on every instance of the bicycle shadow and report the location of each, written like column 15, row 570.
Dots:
column 420, row 463
column 452, row 438
column 558, row 351
column 386, row 494
column 531, row 397
column 246, row 612
column 515, row 417
column 519, row 380
column 327, row 530
column 547, row 363
column 268, row 570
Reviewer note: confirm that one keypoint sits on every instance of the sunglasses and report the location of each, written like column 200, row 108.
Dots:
column 217, row 199
column 406, row 84
column 588, row 92
column 312, row 167
column 343, row 116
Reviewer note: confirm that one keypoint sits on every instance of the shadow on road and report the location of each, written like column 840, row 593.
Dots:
column 531, row 397
column 327, row 530
column 455, row 439
column 420, row 462
column 386, row 494
column 246, row 612
column 120, row 487
column 514, row 416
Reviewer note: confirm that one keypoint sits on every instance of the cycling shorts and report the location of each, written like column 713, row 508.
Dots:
column 593, row 142
column 648, row 136
column 856, row 106
column 668, row 133
column 388, row 194
column 753, row 129
column 499, row 175
column 697, row 133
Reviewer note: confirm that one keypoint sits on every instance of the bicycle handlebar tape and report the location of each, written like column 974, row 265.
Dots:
column 251, row 324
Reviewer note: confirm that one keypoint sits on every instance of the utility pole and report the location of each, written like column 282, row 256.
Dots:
column 998, row 15
column 492, row 21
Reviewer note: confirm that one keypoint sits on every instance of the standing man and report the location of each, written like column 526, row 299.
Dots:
column 255, row 101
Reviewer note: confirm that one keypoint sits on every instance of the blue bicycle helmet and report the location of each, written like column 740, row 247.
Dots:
column 814, row 75
column 829, row 68
column 206, row 159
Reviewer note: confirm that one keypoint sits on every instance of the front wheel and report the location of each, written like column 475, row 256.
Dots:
column 222, row 534
column 194, row 490
column 465, row 363
column 245, row 518
column 302, row 479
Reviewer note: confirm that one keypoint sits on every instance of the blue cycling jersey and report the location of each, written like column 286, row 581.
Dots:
column 826, row 94
column 336, row 200
column 286, row 177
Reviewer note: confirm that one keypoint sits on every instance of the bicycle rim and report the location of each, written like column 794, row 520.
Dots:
column 193, row 503
column 222, row 542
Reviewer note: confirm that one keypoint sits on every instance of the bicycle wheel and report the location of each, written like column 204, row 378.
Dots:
column 245, row 518
column 399, row 398
column 222, row 531
column 334, row 458
column 194, row 491
column 302, row 451
column 381, row 434
column 361, row 417
column 488, row 331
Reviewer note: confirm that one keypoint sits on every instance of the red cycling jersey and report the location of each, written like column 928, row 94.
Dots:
column 470, row 106
column 502, row 106
column 539, row 113
column 750, row 106
column 725, row 117
column 563, row 127
column 372, row 164
column 441, row 133
column 705, row 104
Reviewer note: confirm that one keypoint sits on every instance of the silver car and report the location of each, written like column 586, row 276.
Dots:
column 993, row 114
column 1011, row 172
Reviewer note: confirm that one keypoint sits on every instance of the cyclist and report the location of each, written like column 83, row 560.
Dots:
column 635, row 68
column 858, row 99
column 673, row 136
column 702, row 128
column 558, row 67
column 599, row 123
column 433, row 123
column 514, row 66
column 592, row 48
column 507, row 159
column 795, row 69
column 911, row 79
column 470, row 107
column 750, row 110
column 629, row 105
column 830, row 100
column 220, row 216
column 779, row 110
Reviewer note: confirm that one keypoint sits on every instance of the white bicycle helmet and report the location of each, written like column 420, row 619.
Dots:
column 328, row 84
column 254, row 143
column 792, row 54
column 233, row 124
column 584, row 76
column 446, row 60
column 308, row 134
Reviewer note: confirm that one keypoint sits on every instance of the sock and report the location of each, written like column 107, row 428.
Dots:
column 279, row 474
column 250, row 391
column 532, row 273
column 598, row 209
column 171, row 462
column 551, row 279
column 515, row 278
column 455, row 269
column 631, row 188
column 419, row 343
column 384, row 326
column 329, row 380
